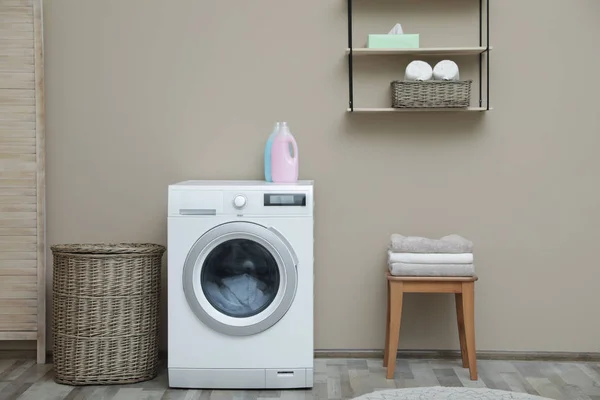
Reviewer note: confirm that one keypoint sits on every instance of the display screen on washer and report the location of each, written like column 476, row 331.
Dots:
column 285, row 199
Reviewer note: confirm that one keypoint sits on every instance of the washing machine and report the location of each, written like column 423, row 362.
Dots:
column 240, row 285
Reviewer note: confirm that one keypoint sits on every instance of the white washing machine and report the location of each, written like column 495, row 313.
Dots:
column 240, row 283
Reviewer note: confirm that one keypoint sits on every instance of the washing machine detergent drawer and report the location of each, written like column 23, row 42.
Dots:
column 240, row 378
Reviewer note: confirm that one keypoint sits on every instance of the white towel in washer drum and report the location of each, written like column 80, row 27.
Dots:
column 431, row 258
column 238, row 294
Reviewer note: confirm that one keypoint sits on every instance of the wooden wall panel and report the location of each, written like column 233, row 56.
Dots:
column 22, row 178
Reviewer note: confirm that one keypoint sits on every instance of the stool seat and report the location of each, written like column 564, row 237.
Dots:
column 432, row 284
column 463, row 288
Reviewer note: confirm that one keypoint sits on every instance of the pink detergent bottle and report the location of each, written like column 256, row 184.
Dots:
column 284, row 165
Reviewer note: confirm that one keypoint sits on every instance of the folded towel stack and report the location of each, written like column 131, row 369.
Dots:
column 418, row 256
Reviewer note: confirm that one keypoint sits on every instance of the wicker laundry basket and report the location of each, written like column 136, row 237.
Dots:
column 431, row 94
column 106, row 312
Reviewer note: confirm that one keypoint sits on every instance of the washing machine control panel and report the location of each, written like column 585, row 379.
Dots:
column 247, row 202
column 266, row 203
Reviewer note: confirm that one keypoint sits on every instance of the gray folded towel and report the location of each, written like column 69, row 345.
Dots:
column 451, row 244
column 409, row 269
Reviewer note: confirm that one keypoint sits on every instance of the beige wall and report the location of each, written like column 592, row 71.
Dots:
column 143, row 93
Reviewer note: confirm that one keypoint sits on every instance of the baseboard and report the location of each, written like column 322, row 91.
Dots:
column 407, row 354
column 455, row 354
column 17, row 354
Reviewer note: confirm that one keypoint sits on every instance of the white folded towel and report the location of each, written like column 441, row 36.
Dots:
column 418, row 71
column 408, row 269
column 446, row 70
column 416, row 244
column 430, row 258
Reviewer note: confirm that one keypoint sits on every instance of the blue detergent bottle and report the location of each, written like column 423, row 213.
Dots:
column 268, row 176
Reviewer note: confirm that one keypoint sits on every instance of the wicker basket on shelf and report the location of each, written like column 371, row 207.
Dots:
column 431, row 94
column 106, row 312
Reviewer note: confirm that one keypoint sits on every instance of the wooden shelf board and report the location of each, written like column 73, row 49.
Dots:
column 409, row 110
column 9, row 335
column 432, row 51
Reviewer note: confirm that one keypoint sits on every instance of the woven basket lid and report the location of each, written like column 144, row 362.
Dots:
column 109, row 248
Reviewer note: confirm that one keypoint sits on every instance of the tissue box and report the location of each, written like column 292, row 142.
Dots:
column 404, row 41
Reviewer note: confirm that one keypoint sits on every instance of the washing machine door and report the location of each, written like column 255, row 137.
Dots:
column 240, row 278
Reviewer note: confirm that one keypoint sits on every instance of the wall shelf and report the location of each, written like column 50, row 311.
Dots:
column 482, row 52
column 411, row 110
column 434, row 51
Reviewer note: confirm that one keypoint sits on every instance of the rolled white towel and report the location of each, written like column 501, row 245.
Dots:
column 430, row 258
column 446, row 70
column 418, row 71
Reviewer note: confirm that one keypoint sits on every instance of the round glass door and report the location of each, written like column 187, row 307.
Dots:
column 240, row 278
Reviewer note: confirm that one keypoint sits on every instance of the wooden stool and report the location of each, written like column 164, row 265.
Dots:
column 464, row 290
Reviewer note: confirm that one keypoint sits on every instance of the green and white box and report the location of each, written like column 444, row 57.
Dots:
column 404, row 41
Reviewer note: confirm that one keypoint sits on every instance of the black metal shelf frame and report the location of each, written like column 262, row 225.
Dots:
column 484, row 8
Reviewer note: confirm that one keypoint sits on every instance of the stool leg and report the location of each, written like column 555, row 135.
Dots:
column 396, row 294
column 460, row 318
column 387, row 327
column 468, row 303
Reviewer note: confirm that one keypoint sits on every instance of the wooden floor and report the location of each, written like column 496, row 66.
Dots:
column 335, row 379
